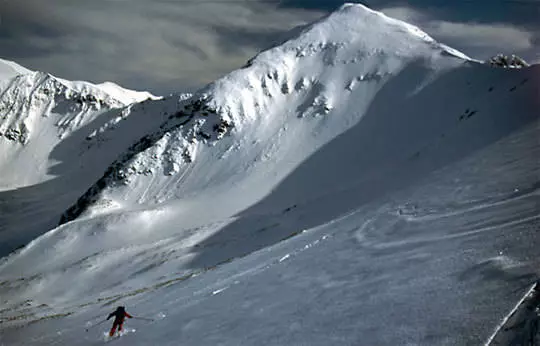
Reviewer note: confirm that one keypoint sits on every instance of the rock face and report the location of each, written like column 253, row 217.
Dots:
column 514, row 61
column 163, row 152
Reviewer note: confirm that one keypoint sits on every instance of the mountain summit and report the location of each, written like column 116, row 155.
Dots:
column 327, row 75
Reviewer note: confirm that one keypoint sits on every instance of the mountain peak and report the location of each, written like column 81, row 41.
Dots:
column 371, row 30
column 10, row 70
column 345, row 49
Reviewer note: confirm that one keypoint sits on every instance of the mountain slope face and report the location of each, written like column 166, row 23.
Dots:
column 52, row 135
column 314, row 139
column 38, row 110
column 308, row 90
column 9, row 69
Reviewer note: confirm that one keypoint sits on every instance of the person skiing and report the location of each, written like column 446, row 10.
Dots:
column 119, row 315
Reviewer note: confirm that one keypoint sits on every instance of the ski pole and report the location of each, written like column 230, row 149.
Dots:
column 143, row 318
column 97, row 324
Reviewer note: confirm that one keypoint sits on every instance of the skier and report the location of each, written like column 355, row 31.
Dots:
column 119, row 315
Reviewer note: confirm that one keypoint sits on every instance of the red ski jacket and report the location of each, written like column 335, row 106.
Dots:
column 119, row 316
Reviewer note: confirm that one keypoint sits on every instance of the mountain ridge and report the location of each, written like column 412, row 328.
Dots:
column 270, row 74
column 351, row 167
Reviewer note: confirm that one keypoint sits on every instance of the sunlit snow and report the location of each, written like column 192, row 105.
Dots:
column 358, row 184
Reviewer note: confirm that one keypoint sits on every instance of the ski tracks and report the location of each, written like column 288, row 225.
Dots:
column 275, row 260
column 419, row 215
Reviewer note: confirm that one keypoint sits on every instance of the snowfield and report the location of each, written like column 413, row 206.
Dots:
column 358, row 184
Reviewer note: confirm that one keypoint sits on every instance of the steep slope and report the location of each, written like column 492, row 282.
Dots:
column 9, row 69
column 38, row 110
column 308, row 90
column 438, row 263
column 361, row 130
column 52, row 135
column 337, row 75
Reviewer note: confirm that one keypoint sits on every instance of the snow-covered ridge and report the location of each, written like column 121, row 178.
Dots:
column 27, row 96
column 38, row 110
column 351, row 53
column 55, row 132
column 10, row 69
column 364, row 44
column 165, row 151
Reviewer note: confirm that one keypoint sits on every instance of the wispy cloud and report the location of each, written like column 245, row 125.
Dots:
column 484, row 35
column 168, row 45
column 479, row 40
column 177, row 45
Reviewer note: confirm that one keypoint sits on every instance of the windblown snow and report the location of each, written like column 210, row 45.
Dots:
column 358, row 184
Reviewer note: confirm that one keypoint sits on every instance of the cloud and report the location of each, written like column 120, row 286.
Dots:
column 176, row 45
column 161, row 45
column 479, row 40
column 484, row 35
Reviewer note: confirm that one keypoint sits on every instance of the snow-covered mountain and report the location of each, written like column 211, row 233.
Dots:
column 359, row 183
column 38, row 110
column 52, row 134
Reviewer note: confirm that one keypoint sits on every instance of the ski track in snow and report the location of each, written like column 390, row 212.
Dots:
column 428, row 215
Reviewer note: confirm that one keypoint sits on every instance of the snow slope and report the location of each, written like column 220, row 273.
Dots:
column 52, row 134
column 327, row 76
column 9, row 69
column 39, row 109
column 358, row 184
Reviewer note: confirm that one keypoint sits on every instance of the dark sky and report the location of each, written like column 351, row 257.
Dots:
column 167, row 46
